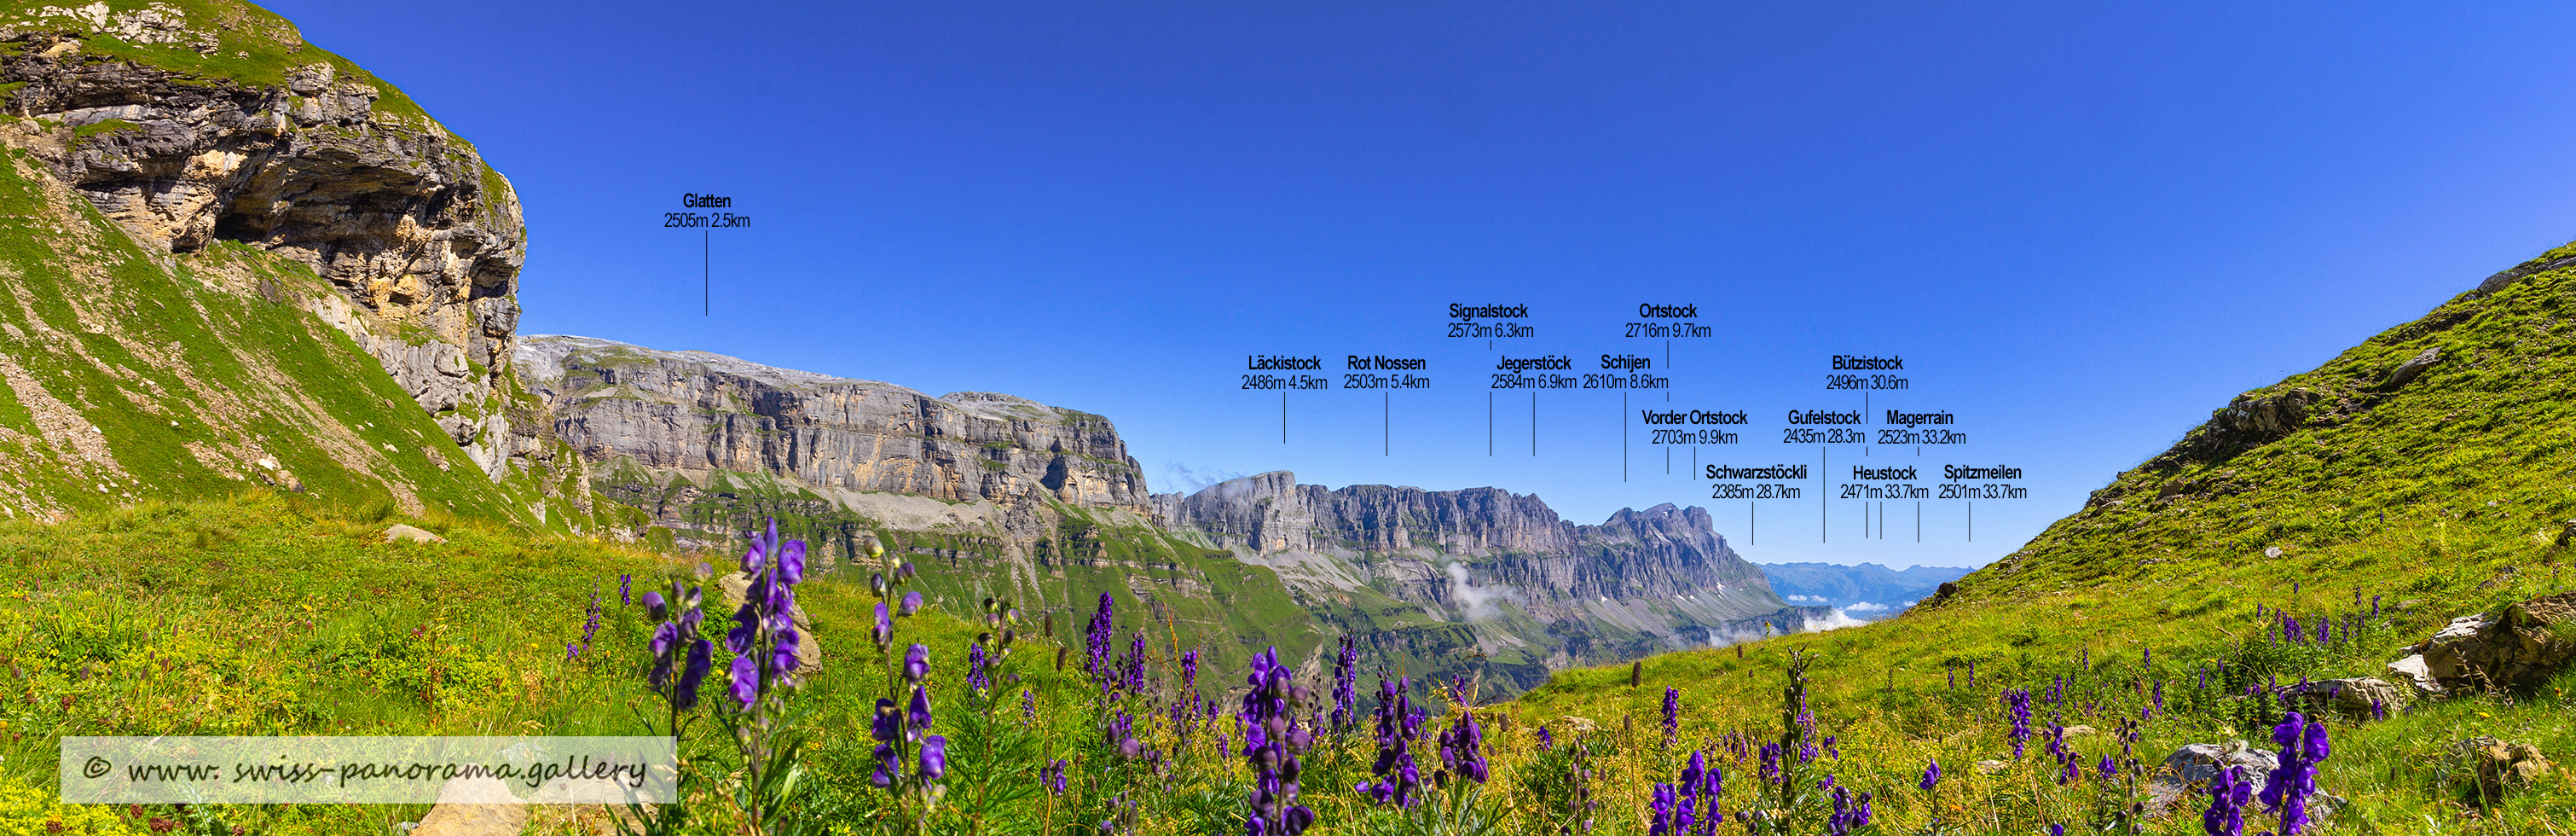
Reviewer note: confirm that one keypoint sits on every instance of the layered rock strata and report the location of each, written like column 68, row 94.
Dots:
column 1488, row 555
column 694, row 414
column 421, row 241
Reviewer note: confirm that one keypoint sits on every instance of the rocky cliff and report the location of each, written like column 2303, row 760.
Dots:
column 648, row 416
column 1539, row 589
column 198, row 122
column 233, row 259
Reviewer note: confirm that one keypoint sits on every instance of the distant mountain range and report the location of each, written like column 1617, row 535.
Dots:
column 1866, row 592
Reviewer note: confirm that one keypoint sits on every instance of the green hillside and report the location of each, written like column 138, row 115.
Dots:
column 2445, row 496
column 194, row 370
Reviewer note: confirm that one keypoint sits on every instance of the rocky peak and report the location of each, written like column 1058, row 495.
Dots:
column 302, row 155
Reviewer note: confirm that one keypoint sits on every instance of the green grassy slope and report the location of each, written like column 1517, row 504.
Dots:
column 2440, row 498
column 194, row 370
column 269, row 614
column 251, row 45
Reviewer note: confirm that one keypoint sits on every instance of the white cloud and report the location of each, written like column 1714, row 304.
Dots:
column 1806, row 599
column 1483, row 602
column 1835, row 620
column 1192, row 480
column 1865, row 606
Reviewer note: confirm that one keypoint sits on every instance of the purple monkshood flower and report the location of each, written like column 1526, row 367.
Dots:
column 2017, row 707
column 1097, row 641
column 1545, row 741
column 1028, row 707
column 677, row 647
column 1189, row 670
column 2107, row 768
column 2228, row 795
column 764, row 637
column 1052, row 776
column 2286, row 788
column 1695, row 810
column 1659, row 813
column 1398, row 781
column 626, row 590
column 1849, row 813
column 1346, row 687
column 1672, row 716
column 978, row 678
column 934, row 757
column 1931, row 776
column 916, row 663
column 1271, row 743
column 1462, row 747
column 1771, row 762
column 1132, row 666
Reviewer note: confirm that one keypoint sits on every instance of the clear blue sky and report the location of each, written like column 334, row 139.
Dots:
column 2082, row 228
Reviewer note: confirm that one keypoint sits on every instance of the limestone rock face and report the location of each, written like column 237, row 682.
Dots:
column 1476, row 552
column 694, row 413
column 420, row 239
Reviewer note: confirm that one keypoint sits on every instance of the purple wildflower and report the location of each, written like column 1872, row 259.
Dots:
column 764, row 637
column 1659, row 821
column 1097, row 642
column 626, row 590
column 1346, row 687
column 1931, row 776
column 2017, row 707
column 2228, row 795
column 1271, row 743
column 1398, row 780
column 2286, row 789
column 1672, row 715
column 1462, row 747
column 677, row 647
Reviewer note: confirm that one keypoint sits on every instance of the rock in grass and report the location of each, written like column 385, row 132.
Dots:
column 2353, row 698
column 404, row 533
column 2195, row 764
column 2190, row 769
column 2502, row 767
column 2521, row 647
column 2412, row 671
column 474, row 807
column 2407, row 371
column 809, row 650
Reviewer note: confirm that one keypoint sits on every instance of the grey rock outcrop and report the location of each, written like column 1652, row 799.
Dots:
column 2357, row 699
column 2520, row 647
column 420, row 239
column 2196, row 764
column 2500, row 768
column 2407, row 371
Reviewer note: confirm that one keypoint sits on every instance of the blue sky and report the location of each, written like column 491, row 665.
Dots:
column 2083, row 228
